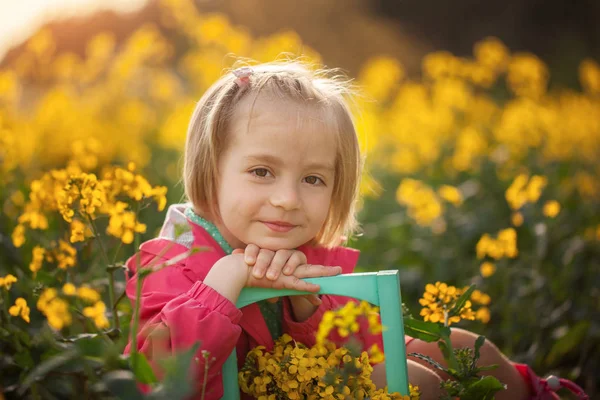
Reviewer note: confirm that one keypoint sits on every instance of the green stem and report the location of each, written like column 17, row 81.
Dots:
column 5, row 304
column 111, row 277
column 136, row 318
column 452, row 361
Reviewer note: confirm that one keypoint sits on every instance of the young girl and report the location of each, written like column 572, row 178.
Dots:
column 272, row 168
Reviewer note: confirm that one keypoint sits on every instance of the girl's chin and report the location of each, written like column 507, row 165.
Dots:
column 275, row 244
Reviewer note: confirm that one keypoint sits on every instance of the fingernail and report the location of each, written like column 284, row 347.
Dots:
column 249, row 259
column 271, row 275
column 257, row 273
column 287, row 270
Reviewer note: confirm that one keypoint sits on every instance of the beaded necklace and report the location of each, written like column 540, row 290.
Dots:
column 271, row 312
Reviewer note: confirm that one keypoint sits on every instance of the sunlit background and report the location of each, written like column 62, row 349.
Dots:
column 20, row 19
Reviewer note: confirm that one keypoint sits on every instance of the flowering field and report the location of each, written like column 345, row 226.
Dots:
column 479, row 172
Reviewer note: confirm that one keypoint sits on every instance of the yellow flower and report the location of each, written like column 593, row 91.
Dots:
column 483, row 315
column 535, row 187
column 37, row 259
column 124, row 224
column 422, row 202
column 88, row 294
column 78, row 231
column 527, row 75
column 20, row 308
column 504, row 246
column 551, row 208
column 54, row 308
column 375, row 354
column 18, row 235
column 7, row 281
column 487, row 269
column 589, row 75
column 65, row 255
column 451, row 195
column 97, row 313
column 69, row 289
column 480, row 298
column 517, row 219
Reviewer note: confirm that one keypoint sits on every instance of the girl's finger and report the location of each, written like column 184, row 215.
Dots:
column 263, row 260
column 293, row 282
column 315, row 271
column 250, row 254
column 238, row 251
column 279, row 260
column 297, row 258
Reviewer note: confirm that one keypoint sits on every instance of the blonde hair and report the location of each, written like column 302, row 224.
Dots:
column 294, row 80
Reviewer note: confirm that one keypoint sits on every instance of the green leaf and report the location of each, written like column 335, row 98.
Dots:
column 478, row 343
column 460, row 303
column 116, row 267
column 176, row 383
column 89, row 344
column 428, row 360
column 141, row 368
column 445, row 346
column 24, row 360
column 483, row 389
column 486, row 368
column 568, row 342
column 48, row 365
column 426, row 331
column 122, row 384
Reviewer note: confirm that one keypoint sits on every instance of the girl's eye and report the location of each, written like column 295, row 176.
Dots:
column 313, row 180
column 260, row 172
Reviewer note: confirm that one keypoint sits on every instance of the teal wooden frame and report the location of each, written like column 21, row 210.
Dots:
column 379, row 288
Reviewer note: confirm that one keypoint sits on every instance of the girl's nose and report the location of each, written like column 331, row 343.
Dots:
column 285, row 196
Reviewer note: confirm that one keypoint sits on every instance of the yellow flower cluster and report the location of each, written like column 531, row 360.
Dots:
column 69, row 191
column 345, row 320
column 56, row 307
column 294, row 371
column 439, row 299
column 424, row 204
column 524, row 190
column 7, row 281
column 20, row 309
column 483, row 300
column 505, row 245
column 460, row 125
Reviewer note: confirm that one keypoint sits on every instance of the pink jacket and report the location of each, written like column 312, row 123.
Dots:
column 178, row 310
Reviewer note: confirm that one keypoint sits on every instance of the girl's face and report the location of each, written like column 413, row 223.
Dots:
column 276, row 175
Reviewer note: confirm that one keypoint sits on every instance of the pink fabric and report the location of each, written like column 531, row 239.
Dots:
column 178, row 310
column 544, row 389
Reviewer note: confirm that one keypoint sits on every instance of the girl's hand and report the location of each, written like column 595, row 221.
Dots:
column 295, row 282
column 272, row 263
column 303, row 307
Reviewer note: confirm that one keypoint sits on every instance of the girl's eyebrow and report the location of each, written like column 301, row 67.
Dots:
column 274, row 160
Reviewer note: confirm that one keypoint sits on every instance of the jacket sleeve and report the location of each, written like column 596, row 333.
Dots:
column 305, row 332
column 178, row 311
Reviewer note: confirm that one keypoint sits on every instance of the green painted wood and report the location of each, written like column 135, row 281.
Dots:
column 379, row 288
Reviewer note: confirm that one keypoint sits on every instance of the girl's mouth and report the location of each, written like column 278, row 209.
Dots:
column 279, row 226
